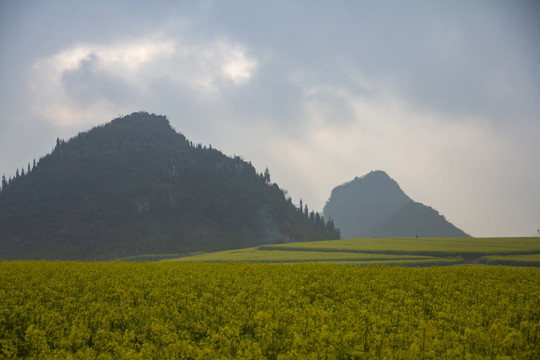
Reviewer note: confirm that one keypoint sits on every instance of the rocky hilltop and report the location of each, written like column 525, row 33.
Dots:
column 375, row 206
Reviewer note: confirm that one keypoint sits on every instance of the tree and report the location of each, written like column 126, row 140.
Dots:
column 318, row 219
column 330, row 225
column 306, row 210
column 301, row 207
column 267, row 175
column 4, row 182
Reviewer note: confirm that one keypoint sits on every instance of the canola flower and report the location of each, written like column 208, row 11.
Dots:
column 116, row 310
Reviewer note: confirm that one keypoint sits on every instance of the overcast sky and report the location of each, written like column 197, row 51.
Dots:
column 442, row 95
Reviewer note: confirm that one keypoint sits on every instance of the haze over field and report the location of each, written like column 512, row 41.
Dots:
column 443, row 96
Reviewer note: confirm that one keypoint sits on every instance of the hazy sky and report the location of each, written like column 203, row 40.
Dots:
column 442, row 95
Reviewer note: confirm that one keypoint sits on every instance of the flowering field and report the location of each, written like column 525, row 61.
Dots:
column 268, row 311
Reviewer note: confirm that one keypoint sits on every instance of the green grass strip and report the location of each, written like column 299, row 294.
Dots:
column 279, row 256
column 513, row 260
column 440, row 247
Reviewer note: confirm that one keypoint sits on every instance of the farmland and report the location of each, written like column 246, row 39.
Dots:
column 169, row 310
column 513, row 260
column 280, row 255
column 396, row 251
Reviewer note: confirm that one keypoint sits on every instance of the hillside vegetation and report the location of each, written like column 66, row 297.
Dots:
column 135, row 186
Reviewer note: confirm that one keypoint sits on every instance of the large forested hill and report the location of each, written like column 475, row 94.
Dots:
column 375, row 206
column 136, row 186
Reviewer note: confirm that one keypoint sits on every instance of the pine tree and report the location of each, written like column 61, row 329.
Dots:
column 330, row 225
column 4, row 182
column 267, row 175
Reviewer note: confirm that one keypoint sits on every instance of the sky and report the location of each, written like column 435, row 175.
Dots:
column 442, row 95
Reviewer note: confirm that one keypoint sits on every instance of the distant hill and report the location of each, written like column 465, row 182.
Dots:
column 136, row 186
column 375, row 206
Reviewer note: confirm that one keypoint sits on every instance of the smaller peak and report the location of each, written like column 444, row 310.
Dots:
column 376, row 173
column 378, row 181
column 372, row 176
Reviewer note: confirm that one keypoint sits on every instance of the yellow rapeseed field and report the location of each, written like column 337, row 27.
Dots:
column 122, row 310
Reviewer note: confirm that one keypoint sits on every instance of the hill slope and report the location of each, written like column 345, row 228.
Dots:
column 136, row 186
column 375, row 206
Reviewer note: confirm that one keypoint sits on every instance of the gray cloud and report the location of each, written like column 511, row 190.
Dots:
column 87, row 83
column 458, row 57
